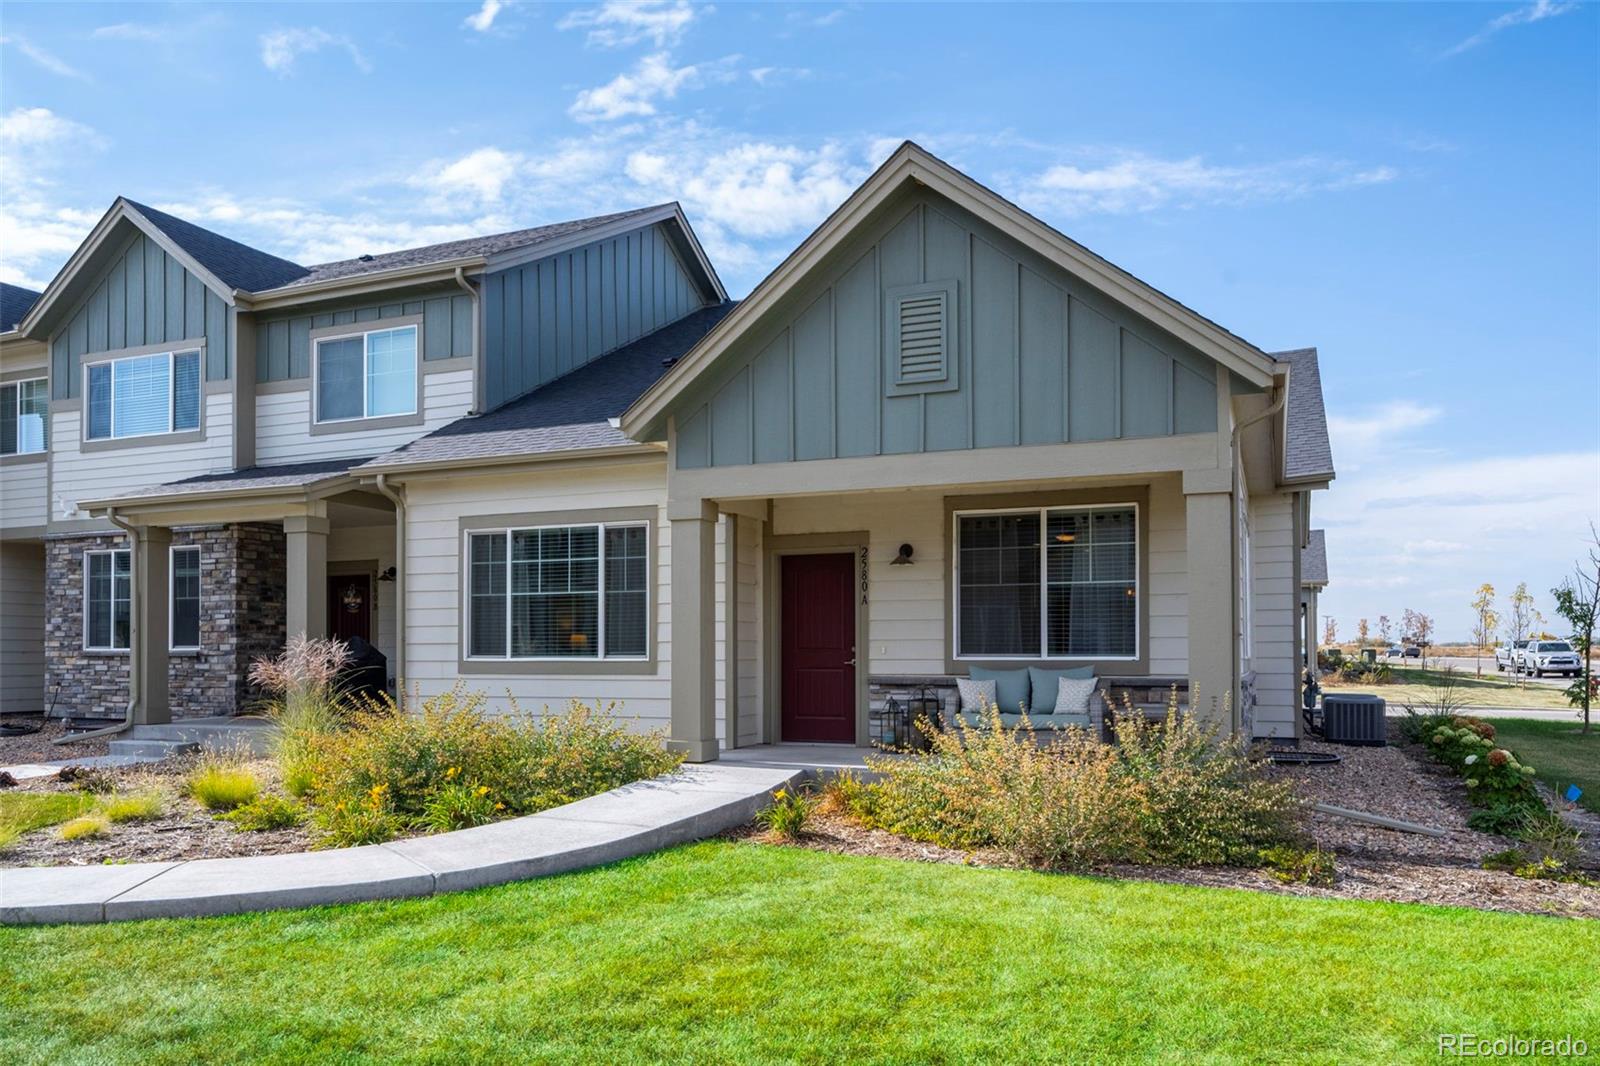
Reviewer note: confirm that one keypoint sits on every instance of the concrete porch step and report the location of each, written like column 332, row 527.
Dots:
column 146, row 750
column 250, row 734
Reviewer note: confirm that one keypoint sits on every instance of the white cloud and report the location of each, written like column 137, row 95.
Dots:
column 618, row 23
column 1378, row 432
column 480, row 175
column 636, row 92
column 1537, row 11
column 130, row 31
column 1132, row 181
column 36, row 233
column 48, row 60
column 482, row 20
column 281, row 48
column 754, row 189
column 770, row 77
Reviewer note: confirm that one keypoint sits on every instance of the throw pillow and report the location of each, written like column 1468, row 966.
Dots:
column 1072, row 695
column 975, row 695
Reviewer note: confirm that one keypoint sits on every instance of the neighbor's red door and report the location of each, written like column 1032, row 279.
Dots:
column 819, row 648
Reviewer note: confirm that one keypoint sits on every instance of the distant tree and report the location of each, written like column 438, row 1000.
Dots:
column 1419, row 630
column 1524, row 616
column 1330, row 632
column 1578, row 601
column 1385, row 627
column 1488, row 620
column 1361, row 633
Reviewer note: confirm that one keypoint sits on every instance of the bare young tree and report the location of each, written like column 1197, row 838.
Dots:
column 1330, row 632
column 1362, row 632
column 1418, row 630
column 1385, row 628
column 1578, row 601
column 1524, row 616
column 1488, row 620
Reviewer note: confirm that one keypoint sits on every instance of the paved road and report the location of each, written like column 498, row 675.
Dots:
column 1539, row 714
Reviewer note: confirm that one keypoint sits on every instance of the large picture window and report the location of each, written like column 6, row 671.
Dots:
column 185, row 623
column 141, row 395
column 107, row 593
column 24, row 406
column 1047, row 583
column 367, row 375
column 559, row 592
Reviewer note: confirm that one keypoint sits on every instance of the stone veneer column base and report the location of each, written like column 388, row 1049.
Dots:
column 242, row 617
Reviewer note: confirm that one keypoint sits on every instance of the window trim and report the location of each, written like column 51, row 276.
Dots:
column 84, row 615
column 364, row 330
column 171, row 433
column 644, row 516
column 18, row 383
column 172, row 592
column 953, row 572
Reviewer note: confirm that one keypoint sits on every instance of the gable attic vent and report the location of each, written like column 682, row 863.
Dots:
column 921, row 322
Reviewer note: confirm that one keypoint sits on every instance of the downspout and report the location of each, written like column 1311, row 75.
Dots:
column 477, row 315
column 399, row 501
column 135, row 639
column 1234, row 456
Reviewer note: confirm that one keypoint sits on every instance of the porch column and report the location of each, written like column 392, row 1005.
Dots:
column 1213, row 656
column 148, row 643
column 307, row 574
column 1311, row 629
column 694, row 632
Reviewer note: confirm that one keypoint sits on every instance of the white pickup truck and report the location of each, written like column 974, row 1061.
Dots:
column 1508, row 657
column 1542, row 657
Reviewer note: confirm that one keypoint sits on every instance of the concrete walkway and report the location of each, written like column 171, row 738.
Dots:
column 696, row 802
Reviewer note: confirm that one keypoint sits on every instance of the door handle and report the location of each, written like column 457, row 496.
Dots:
column 850, row 662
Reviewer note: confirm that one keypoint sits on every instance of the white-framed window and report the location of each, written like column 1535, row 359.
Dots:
column 184, row 613
column 1047, row 583
column 559, row 592
column 366, row 374
column 107, row 599
column 24, row 416
column 142, row 395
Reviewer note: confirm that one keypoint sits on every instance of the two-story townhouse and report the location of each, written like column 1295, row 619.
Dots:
column 940, row 441
column 24, row 474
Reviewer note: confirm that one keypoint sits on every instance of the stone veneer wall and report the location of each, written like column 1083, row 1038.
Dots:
column 242, row 616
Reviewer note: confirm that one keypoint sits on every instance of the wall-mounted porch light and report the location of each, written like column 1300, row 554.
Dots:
column 904, row 558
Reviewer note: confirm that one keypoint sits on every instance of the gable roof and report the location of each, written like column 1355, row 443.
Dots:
column 1307, row 453
column 1314, row 560
column 575, row 412
column 236, row 265
column 911, row 164
column 14, row 304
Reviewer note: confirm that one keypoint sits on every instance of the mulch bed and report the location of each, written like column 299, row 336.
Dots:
column 1370, row 862
column 184, row 831
column 36, row 747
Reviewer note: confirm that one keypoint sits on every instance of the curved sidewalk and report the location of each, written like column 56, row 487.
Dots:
column 697, row 801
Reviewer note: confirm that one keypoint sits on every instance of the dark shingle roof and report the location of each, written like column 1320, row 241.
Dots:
column 236, row 265
column 571, row 413
column 14, row 304
column 1306, row 451
column 1314, row 560
column 470, row 246
column 290, row 475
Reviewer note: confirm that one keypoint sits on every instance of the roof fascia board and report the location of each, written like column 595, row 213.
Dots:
column 541, row 461
column 357, row 284
column 138, row 504
column 172, row 248
column 912, row 164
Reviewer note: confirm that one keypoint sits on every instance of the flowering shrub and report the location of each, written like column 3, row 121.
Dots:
column 1500, row 786
column 1167, row 793
column 786, row 815
column 264, row 813
column 450, row 764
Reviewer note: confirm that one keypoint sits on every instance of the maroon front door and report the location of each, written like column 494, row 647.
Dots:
column 350, row 607
column 819, row 648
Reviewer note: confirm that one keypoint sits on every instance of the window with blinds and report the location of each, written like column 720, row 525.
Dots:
column 920, row 338
column 367, row 375
column 107, row 595
column 559, row 592
column 1048, row 583
column 185, row 617
column 141, row 395
column 24, row 406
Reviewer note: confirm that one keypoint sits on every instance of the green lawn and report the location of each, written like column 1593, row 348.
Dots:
column 1413, row 686
column 1558, row 753
column 720, row 952
column 21, row 812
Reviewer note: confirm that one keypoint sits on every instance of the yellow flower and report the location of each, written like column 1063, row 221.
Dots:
column 483, row 790
column 499, row 806
column 451, row 772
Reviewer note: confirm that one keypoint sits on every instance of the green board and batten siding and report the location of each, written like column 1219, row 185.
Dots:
column 1039, row 358
column 144, row 297
column 283, row 341
column 546, row 318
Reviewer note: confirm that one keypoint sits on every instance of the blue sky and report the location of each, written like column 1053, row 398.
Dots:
column 1413, row 189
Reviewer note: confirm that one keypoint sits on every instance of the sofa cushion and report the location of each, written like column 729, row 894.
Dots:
column 974, row 694
column 1011, row 687
column 1073, row 695
column 1045, row 688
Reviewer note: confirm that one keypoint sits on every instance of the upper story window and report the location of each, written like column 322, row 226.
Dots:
column 142, row 395
column 561, row 592
column 24, row 406
column 1047, row 583
column 367, row 375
